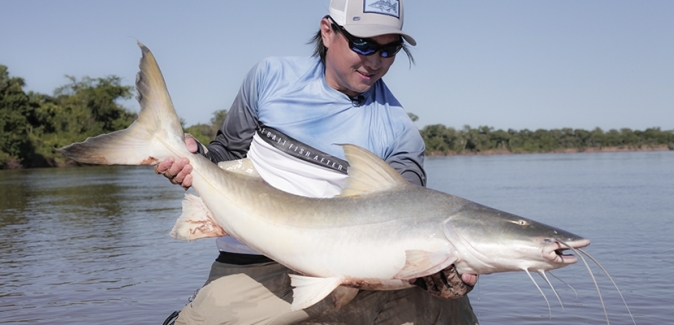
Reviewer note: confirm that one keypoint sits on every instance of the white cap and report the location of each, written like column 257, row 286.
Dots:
column 370, row 18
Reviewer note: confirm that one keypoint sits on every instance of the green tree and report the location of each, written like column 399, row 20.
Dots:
column 597, row 138
column 441, row 139
column 32, row 125
column 98, row 98
column 500, row 140
column 204, row 133
column 482, row 138
column 14, row 127
column 78, row 110
column 568, row 139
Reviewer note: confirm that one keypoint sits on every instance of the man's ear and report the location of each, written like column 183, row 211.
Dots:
column 327, row 34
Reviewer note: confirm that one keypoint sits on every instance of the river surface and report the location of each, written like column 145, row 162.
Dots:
column 91, row 245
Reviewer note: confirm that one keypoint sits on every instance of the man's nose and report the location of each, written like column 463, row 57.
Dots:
column 372, row 61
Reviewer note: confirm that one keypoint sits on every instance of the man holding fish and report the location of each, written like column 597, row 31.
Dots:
column 287, row 118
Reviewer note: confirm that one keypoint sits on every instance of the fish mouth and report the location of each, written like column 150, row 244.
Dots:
column 556, row 251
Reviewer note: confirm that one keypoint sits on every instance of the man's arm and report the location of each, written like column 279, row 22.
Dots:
column 235, row 134
column 410, row 165
column 406, row 153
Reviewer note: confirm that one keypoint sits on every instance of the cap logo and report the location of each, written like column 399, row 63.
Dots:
column 386, row 7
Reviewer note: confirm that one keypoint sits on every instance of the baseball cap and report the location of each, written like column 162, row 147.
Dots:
column 370, row 18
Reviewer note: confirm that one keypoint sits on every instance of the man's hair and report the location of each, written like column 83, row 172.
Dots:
column 320, row 50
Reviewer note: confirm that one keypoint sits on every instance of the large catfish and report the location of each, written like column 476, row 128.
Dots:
column 377, row 235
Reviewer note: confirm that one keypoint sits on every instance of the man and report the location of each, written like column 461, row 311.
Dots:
column 288, row 106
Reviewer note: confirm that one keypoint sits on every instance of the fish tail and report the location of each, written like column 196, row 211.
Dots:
column 154, row 136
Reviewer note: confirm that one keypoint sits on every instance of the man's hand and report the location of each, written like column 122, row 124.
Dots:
column 447, row 283
column 178, row 172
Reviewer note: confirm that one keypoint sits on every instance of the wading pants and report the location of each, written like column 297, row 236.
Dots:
column 261, row 294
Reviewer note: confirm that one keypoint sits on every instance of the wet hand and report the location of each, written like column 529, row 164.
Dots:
column 448, row 283
column 178, row 172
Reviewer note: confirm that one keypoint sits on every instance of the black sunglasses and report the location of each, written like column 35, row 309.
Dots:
column 367, row 46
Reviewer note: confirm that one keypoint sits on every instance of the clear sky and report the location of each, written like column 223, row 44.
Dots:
column 504, row 64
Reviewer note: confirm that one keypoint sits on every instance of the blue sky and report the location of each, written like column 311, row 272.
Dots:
column 504, row 64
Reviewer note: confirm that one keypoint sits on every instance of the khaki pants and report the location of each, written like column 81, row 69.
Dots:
column 261, row 294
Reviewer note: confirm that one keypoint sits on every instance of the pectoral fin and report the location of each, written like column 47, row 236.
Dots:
column 196, row 221
column 343, row 295
column 420, row 263
column 307, row 291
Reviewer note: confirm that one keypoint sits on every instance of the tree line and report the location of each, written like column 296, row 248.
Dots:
column 444, row 140
column 33, row 124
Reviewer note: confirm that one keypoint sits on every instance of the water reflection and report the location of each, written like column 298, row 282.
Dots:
column 71, row 238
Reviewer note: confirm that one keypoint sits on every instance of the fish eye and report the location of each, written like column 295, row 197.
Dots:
column 520, row 222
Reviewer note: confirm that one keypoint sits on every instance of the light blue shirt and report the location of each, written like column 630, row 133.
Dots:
column 290, row 94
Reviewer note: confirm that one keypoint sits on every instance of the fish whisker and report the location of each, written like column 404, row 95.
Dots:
column 562, row 281
column 596, row 285
column 540, row 290
column 542, row 273
column 611, row 279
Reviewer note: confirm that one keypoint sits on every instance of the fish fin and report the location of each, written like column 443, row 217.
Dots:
column 419, row 263
column 196, row 221
column 368, row 173
column 307, row 291
column 343, row 295
column 154, row 136
column 241, row 166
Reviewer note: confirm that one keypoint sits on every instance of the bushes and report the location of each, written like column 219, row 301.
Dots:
column 32, row 125
column 443, row 140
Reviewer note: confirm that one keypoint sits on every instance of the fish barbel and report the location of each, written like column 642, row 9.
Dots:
column 378, row 234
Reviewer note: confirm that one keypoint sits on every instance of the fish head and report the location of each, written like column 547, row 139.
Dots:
column 488, row 241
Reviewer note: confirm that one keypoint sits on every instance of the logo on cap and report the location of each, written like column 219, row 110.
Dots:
column 386, row 7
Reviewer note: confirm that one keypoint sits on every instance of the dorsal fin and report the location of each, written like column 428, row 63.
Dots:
column 368, row 173
column 241, row 166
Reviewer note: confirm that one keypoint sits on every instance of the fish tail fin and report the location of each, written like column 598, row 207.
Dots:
column 307, row 291
column 154, row 136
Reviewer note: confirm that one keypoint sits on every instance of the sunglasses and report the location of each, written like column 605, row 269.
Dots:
column 367, row 46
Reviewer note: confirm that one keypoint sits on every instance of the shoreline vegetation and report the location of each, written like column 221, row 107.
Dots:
column 445, row 141
column 32, row 125
column 571, row 150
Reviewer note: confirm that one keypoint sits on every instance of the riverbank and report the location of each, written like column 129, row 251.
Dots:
column 569, row 150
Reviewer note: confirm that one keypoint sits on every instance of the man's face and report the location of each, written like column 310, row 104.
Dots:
column 347, row 71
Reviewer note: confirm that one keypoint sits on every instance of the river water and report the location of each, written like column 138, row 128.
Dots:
column 90, row 245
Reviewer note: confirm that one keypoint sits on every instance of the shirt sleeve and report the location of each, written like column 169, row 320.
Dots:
column 408, row 157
